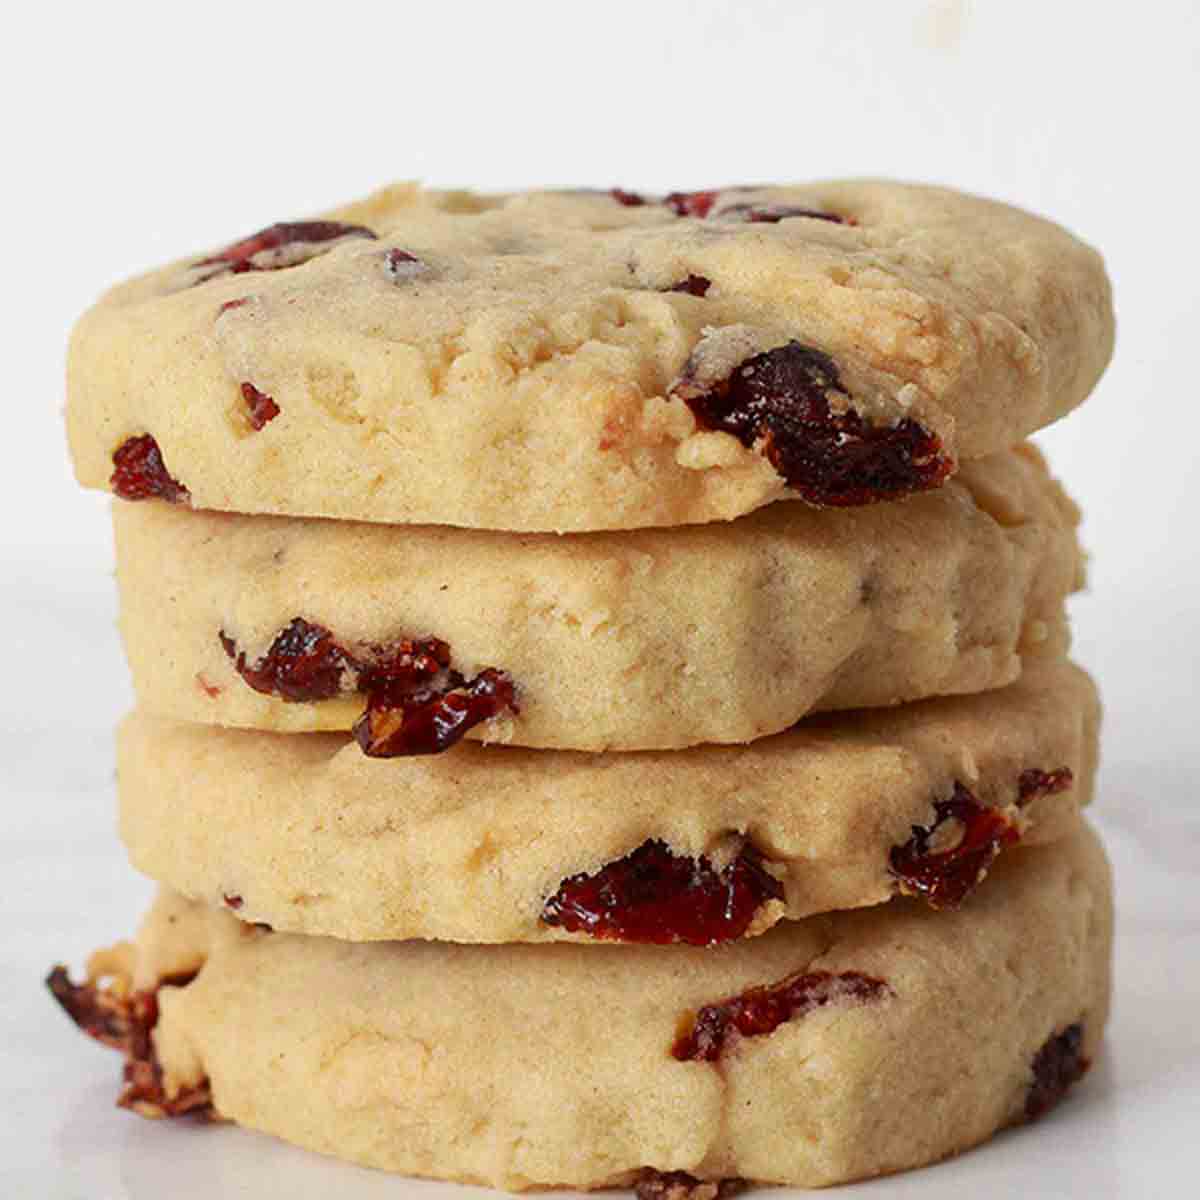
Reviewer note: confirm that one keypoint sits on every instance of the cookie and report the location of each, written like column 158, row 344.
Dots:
column 828, row 1049
column 499, row 844
column 566, row 361
column 656, row 639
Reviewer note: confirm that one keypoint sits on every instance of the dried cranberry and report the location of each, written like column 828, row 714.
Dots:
column 302, row 663
column 693, row 285
column 402, row 266
column 679, row 1185
column 417, row 703
column 761, row 1010
column 125, row 1022
column 232, row 901
column 1056, row 1066
column 781, row 397
column 770, row 214
column 229, row 305
column 286, row 244
column 946, row 877
column 655, row 896
column 629, row 199
column 1034, row 784
column 691, row 204
column 139, row 472
column 260, row 408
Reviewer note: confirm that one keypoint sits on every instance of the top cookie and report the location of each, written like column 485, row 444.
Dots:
column 563, row 361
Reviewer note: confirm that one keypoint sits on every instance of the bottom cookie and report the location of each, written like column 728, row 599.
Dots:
column 827, row 1050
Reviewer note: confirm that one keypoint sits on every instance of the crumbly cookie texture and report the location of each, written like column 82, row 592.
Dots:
column 565, row 361
column 653, row 639
column 829, row 1049
column 495, row 844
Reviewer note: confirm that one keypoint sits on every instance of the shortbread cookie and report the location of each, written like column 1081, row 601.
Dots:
column 584, row 361
column 829, row 1049
column 655, row 639
column 498, row 844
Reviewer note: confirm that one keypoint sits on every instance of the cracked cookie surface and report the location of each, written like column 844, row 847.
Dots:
column 564, row 361
column 498, row 844
column 895, row 1038
column 652, row 639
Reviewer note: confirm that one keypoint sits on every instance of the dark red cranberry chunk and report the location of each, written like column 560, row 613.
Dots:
column 401, row 266
column 679, row 1185
column 781, row 399
column 1056, row 1066
column 286, row 244
column 693, row 285
column 762, row 1010
column 260, row 408
column 654, row 896
column 125, row 1023
column 418, row 704
column 139, row 472
column 302, row 663
column 946, row 876
column 692, row 204
column 628, row 199
column 1033, row 784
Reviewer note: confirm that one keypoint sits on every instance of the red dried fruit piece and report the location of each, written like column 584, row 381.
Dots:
column 402, row 266
column 694, row 285
column 286, row 244
column 1056, row 1066
column 229, row 305
column 124, row 1022
column 679, row 1185
column 629, row 199
column 302, row 663
column 945, row 877
column 418, row 704
column 655, row 896
column 691, row 204
column 781, row 398
column 761, row 1010
column 139, row 472
column 232, row 901
column 1034, row 784
column 260, row 408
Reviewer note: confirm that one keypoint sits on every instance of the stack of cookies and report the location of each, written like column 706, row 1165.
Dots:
column 590, row 650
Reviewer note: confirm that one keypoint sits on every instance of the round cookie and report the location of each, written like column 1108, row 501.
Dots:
column 829, row 1049
column 565, row 361
column 498, row 844
column 655, row 639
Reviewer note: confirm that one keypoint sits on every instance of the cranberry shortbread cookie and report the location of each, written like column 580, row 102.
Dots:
column 589, row 360
column 828, row 1049
column 498, row 844
column 653, row 639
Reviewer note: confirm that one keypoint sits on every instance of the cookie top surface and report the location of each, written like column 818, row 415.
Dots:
column 828, row 1049
column 589, row 360
column 701, row 846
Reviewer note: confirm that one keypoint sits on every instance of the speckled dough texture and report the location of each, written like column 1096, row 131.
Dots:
column 523, row 373
column 524, row 1066
column 308, row 835
column 656, row 639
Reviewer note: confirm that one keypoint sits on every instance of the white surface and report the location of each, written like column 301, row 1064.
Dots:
column 141, row 132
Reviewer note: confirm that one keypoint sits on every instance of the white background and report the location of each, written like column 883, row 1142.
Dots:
column 133, row 134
